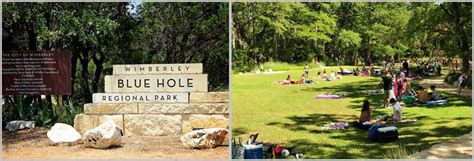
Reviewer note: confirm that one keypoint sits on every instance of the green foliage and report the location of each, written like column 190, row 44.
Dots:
column 27, row 108
column 340, row 33
column 70, row 112
column 22, row 108
column 46, row 116
column 279, row 31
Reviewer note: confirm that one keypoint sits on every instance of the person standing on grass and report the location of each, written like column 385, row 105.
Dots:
column 387, row 87
column 462, row 82
column 395, row 85
column 405, row 65
column 398, row 87
column 306, row 70
column 438, row 68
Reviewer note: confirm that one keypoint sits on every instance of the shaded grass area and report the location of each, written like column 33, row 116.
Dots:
column 290, row 116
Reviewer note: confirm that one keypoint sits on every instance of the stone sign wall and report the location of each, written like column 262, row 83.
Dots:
column 156, row 99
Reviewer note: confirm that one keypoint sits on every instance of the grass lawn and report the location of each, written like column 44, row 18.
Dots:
column 290, row 116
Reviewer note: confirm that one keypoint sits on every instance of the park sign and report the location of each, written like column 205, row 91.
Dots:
column 156, row 100
column 36, row 73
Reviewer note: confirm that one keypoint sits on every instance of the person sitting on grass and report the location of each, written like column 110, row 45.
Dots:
column 408, row 89
column 397, row 110
column 333, row 75
column 302, row 79
column 422, row 95
column 324, row 76
column 356, row 72
column 337, row 77
column 365, row 112
column 434, row 93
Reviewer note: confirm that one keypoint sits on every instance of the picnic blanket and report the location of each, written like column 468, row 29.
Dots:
column 437, row 102
column 335, row 126
column 328, row 79
column 431, row 103
column 330, row 96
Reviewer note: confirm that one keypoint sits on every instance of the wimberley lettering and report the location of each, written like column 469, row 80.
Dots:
column 179, row 68
column 120, row 98
column 145, row 83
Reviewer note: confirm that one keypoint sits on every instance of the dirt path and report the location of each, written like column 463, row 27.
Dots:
column 33, row 144
column 441, row 86
column 459, row 148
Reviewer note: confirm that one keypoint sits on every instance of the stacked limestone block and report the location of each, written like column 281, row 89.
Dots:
column 155, row 100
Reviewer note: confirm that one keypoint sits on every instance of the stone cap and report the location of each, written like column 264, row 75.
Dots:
column 191, row 68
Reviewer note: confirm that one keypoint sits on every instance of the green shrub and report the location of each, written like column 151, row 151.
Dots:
column 243, row 69
column 45, row 116
column 283, row 66
column 70, row 112
column 23, row 108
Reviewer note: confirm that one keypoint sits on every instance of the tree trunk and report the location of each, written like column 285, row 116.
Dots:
column 74, row 58
column 32, row 42
column 98, row 71
column 86, row 93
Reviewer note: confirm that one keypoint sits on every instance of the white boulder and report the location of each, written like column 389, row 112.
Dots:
column 103, row 136
column 63, row 134
column 19, row 124
column 205, row 138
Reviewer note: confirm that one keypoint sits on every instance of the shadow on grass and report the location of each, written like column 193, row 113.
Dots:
column 239, row 131
column 356, row 140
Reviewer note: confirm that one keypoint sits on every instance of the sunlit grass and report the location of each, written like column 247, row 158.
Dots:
column 290, row 116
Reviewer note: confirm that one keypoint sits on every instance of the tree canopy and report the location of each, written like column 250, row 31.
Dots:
column 344, row 33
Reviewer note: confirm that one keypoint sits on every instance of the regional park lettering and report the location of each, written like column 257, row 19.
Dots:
column 145, row 83
column 128, row 98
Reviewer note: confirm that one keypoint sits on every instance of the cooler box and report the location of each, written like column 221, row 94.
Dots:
column 387, row 134
column 254, row 151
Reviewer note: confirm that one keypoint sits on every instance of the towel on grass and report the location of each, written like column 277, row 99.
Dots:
column 374, row 92
column 335, row 126
column 329, row 96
